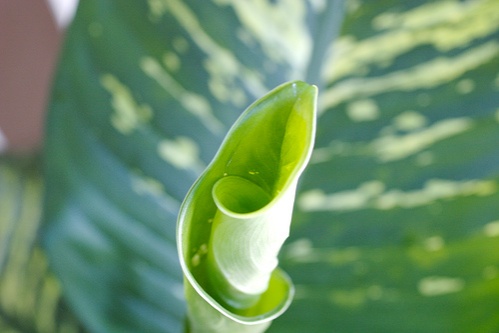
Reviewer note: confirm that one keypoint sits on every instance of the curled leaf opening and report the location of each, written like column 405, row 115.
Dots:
column 237, row 215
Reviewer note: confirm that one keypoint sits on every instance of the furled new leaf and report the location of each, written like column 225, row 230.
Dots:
column 237, row 215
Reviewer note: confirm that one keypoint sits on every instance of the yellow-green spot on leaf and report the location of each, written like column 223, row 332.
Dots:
column 430, row 74
column 336, row 147
column 223, row 91
column 279, row 27
column 440, row 285
column 465, row 86
column 145, row 185
column 180, row 44
column 351, row 299
column 199, row 255
column 223, row 67
column 192, row 102
column 156, row 9
column 196, row 260
column 300, row 248
column 434, row 243
column 491, row 229
column 302, row 251
column 128, row 114
column 432, row 14
column 363, row 110
column 395, row 147
column 182, row 153
column 372, row 194
column 409, row 121
column 446, row 25
column 316, row 200
column 433, row 190
column 171, row 61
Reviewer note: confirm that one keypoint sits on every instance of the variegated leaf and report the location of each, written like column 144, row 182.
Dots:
column 396, row 225
column 30, row 294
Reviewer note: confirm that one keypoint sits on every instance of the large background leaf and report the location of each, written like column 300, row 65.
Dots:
column 395, row 228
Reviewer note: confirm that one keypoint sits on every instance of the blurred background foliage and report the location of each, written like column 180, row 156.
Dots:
column 396, row 227
column 30, row 295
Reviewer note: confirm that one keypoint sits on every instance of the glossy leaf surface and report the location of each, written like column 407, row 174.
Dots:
column 237, row 215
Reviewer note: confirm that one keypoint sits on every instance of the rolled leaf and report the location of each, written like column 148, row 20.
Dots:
column 237, row 215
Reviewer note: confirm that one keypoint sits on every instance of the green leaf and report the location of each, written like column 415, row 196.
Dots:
column 395, row 219
column 166, row 83
column 237, row 215
column 396, row 222
column 30, row 295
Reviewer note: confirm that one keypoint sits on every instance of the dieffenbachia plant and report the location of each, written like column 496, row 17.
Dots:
column 395, row 227
column 237, row 215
